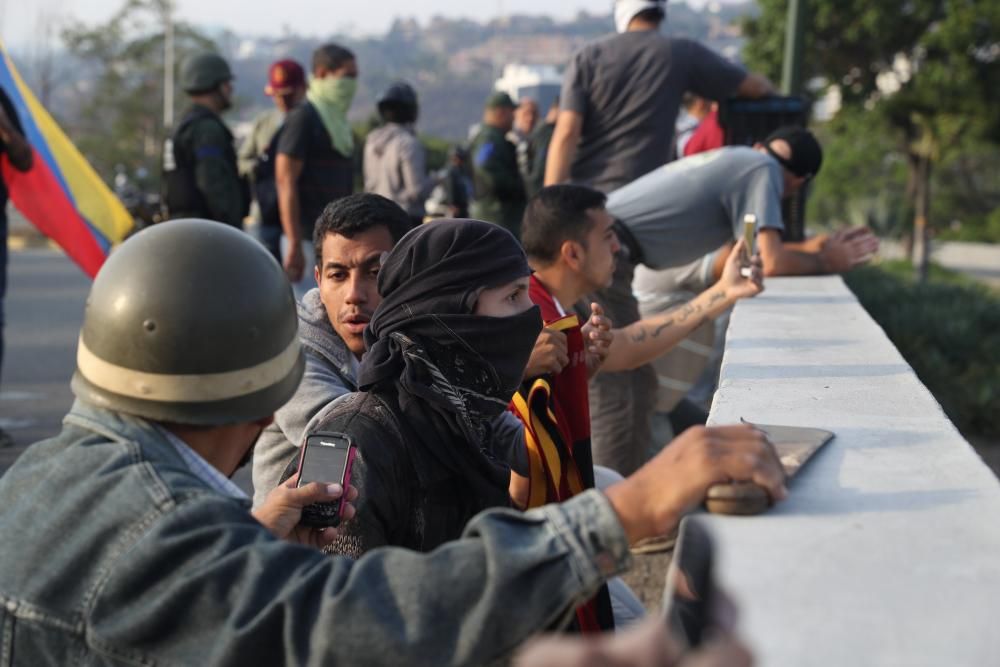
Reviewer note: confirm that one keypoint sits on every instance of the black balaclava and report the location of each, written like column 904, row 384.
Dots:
column 452, row 372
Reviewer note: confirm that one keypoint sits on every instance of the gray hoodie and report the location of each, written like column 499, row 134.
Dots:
column 395, row 167
column 330, row 374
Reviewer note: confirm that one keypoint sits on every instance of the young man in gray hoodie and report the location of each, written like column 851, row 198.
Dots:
column 395, row 164
column 350, row 238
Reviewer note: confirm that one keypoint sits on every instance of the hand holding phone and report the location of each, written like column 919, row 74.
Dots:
column 326, row 458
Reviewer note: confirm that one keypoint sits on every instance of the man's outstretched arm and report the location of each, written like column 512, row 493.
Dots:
column 835, row 253
column 645, row 340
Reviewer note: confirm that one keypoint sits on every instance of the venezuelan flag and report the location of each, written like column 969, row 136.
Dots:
column 61, row 194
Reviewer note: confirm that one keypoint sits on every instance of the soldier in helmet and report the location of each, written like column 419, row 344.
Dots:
column 500, row 193
column 199, row 160
column 394, row 159
column 125, row 542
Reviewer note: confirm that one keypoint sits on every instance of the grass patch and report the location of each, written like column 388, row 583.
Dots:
column 948, row 330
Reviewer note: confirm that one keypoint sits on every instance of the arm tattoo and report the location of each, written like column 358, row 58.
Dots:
column 686, row 311
column 658, row 330
column 716, row 298
column 683, row 313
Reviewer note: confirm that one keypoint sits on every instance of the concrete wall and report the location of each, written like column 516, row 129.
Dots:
column 887, row 551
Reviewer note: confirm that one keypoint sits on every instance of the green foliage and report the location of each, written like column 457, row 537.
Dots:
column 927, row 72
column 437, row 151
column 848, row 42
column 948, row 329
column 121, row 113
column 863, row 181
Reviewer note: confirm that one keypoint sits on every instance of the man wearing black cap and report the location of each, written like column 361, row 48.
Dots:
column 500, row 194
column 681, row 212
column 688, row 208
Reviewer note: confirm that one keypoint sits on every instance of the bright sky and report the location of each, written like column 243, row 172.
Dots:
column 22, row 20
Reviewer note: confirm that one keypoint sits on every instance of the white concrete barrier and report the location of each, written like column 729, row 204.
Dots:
column 887, row 551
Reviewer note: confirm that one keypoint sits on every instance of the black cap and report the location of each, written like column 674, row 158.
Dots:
column 807, row 155
column 399, row 92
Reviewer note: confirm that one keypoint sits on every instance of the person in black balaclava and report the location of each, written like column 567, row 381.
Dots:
column 447, row 348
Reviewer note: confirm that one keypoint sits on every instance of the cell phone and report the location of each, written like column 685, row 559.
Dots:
column 689, row 590
column 749, row 234
column 326, row 458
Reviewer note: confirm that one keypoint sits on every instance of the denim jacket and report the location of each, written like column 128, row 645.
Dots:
column 113, row 552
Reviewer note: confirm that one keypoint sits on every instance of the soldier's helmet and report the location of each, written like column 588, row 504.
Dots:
column 190, row 322
column 203, row 72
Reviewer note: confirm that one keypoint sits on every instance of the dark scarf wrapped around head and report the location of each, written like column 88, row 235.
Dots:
column 452, row 372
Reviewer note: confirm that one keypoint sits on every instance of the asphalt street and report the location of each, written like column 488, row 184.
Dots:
column 43, row 310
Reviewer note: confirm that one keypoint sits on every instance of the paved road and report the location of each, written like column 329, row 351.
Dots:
column 43, row 310
column 977, row 260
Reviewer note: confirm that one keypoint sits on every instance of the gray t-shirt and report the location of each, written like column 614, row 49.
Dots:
column 628, row 88
column 690, row 207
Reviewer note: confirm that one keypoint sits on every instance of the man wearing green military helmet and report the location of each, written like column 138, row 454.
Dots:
column 199, row 159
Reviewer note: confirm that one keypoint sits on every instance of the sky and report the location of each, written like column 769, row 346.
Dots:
column 22, row 20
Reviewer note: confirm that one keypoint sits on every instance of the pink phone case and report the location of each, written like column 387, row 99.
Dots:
column 346, row 480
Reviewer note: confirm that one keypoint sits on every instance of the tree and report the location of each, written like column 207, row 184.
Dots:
column 863, row 182
column 930, row 67
column 120, row 119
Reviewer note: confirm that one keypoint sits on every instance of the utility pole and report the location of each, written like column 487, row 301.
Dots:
column 168, row 66
column 791, row 69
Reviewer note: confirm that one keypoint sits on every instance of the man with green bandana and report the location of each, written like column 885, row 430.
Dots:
column 315, row 164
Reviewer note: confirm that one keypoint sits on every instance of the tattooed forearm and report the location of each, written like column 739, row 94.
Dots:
column 686, row 311
column 640, row 332
column 658, row 330
column 716, row 298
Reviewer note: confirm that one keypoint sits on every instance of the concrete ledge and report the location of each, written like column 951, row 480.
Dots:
column 887, row 552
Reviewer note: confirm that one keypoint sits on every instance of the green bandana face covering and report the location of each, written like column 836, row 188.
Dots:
column 332, row 98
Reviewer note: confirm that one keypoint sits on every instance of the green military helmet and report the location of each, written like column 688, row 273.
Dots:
column 190, row 322
column 203, row 72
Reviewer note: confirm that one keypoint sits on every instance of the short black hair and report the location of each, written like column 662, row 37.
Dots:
column 353, row 214
column 331, row 56
column 558, row 213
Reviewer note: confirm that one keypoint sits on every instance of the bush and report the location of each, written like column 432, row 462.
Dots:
column 948, row 330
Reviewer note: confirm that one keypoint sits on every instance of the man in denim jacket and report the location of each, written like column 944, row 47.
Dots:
column 123, row 541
